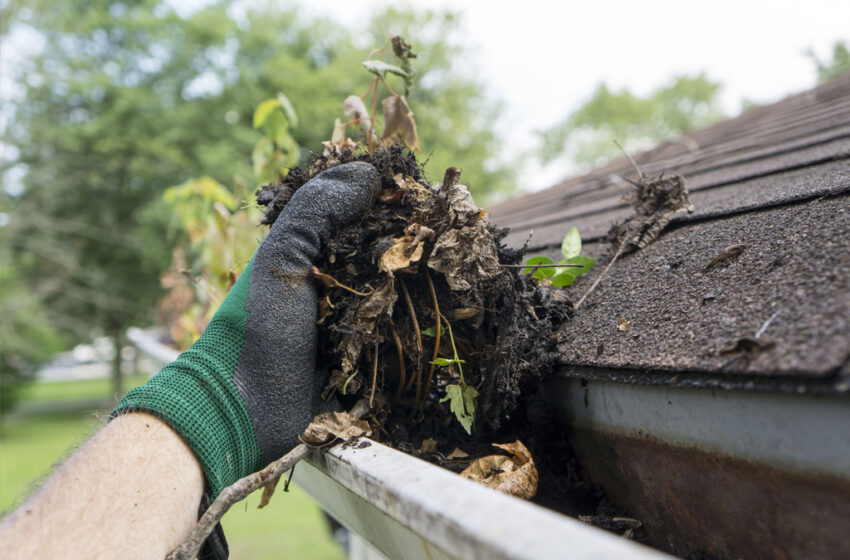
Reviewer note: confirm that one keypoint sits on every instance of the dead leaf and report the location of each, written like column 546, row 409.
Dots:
column 461, row 205
column 354, row 106
column 268, row 491
column 727, row 254
column 515, row 474
column 338, row 135
column 329, row 426
column 654, row 202
column 379, row 304
column 623, row 324
column 458, row 453
column 400, row 126
column 396, row 258
column 429, row 445
column 465, row 256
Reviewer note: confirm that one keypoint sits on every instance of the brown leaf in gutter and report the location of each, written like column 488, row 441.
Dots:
column 329, row 426
column 515, row 474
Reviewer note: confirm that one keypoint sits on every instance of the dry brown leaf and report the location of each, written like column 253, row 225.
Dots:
column 515, row 475
column 429, row 445
column 623, row 324
column 400, row 126
column 329, row 426
column 393, row 115
column 268, row 491
column 458, row 453
column 465, row 256
column 396, row 257
column 354, row 106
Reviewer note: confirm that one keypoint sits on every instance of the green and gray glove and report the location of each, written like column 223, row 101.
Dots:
column 243, row 392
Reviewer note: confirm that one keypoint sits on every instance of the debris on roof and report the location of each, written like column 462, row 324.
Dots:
column 753, row 286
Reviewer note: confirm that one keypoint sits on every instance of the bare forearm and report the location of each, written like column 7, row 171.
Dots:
column 132, row 491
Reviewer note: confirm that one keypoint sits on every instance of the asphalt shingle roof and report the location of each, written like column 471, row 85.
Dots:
column 775, row 180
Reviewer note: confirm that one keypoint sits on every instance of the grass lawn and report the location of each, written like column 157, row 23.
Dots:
column 291, row 526
column 76, row 390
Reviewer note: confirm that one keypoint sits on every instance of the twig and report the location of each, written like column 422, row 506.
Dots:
column 400, row 350
column 329, row 280
column 374, row 378
column 625, row 153
column 436, row 338
column 410, row 310
column 240, row 490
column 766, row 324
column 601, row 276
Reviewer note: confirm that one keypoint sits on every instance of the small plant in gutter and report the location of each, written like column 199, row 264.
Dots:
column 554, row 274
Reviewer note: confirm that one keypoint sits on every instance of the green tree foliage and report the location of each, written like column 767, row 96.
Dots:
column 839, row 65
column 121, row 100
column 27, row 338
column 638, row 123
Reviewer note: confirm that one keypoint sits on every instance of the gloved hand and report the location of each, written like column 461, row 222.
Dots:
column 246, row 389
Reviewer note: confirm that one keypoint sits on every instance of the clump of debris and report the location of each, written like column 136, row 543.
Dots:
column 423, row 311
column 428, row 316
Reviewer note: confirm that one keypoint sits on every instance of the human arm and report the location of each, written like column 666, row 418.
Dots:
column 131, row 491
column 245, row 390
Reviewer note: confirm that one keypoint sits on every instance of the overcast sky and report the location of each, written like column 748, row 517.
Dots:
column 543, row 58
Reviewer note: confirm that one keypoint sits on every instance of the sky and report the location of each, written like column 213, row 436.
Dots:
column 542, row 58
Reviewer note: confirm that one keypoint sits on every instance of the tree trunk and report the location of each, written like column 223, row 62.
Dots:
column 117, row 378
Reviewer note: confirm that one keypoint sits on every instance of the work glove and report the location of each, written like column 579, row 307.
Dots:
column 246, row 389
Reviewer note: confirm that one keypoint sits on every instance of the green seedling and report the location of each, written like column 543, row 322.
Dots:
column 557, row 276
column 460, row 396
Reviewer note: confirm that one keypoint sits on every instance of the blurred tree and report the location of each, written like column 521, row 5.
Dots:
column 119, row 100
column 839, row 65
column 27, row 337
column 638, row 123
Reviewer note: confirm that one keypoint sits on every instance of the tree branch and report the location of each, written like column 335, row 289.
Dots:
column 240, row 490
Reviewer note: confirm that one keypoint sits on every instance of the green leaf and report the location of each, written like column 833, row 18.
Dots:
column 288, row 109
column 586, row 264
column 430, row 331
column 571, row 246
column 462, row 399
column 261, row 156
column 539, row 273
column 563, row 278
column 447, row 362
column 380, row 68
column 276, row 127
column 263, row 111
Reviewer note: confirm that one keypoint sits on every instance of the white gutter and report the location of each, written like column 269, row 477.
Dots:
column 400, row 507
column 412, row 510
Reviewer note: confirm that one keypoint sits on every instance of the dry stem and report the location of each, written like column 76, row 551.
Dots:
column 410, row 310
column 240, row 490
column 374, row 378
column 437, row 338
column 400, row 350
column 601, row 276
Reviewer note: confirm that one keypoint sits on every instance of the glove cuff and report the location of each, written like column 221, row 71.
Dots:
column 196, row 396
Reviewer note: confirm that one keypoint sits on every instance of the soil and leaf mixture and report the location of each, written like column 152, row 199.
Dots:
column 428, row 315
